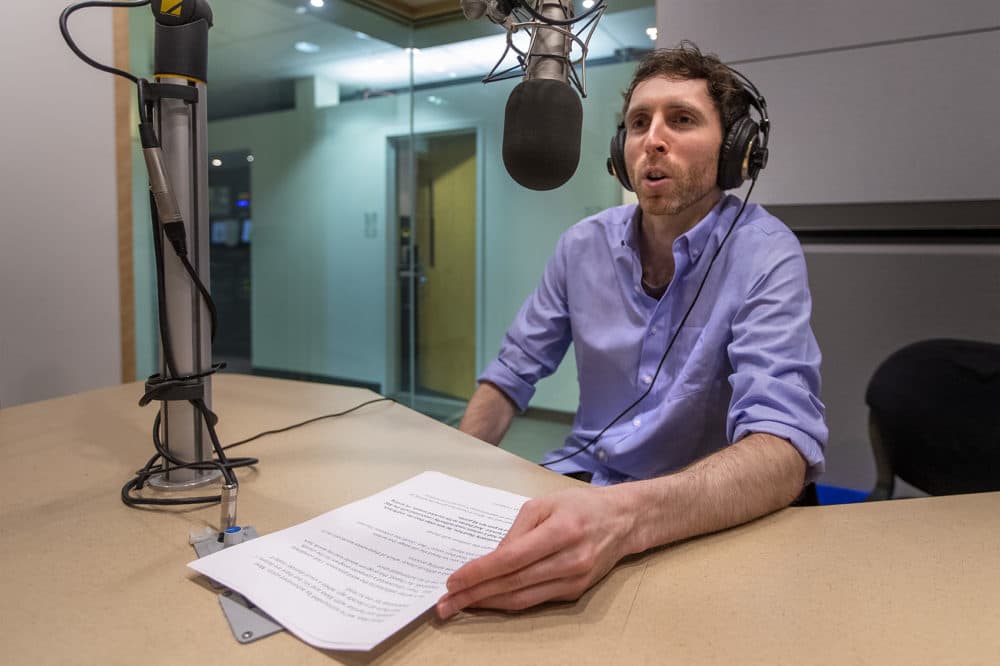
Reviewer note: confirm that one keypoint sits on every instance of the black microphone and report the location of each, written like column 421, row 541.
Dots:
column 543, row 121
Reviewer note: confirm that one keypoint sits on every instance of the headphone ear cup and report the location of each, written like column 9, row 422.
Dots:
column 735, row 151
column 616, row 161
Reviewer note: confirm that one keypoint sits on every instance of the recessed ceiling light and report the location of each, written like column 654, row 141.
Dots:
column 587, row 4
column 249, row 158
column 306, row 47
column 316, row 3
column 652, row 33
column 216, row 162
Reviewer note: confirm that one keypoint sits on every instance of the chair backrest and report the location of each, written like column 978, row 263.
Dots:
column 935, row 417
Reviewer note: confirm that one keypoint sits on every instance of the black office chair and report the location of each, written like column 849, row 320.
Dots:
column 934, row 418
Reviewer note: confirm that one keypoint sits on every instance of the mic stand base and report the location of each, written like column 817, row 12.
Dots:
column 161, row 482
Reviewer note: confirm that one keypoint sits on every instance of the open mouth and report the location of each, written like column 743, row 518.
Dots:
column 656, row 175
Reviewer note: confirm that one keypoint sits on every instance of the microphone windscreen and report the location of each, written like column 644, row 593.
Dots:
column 541, row 133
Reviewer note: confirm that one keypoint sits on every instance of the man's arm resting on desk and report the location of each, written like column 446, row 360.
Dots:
column 488, row 414
column 563, row 543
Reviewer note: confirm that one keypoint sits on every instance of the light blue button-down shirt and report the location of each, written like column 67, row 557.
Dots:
column 745, row 361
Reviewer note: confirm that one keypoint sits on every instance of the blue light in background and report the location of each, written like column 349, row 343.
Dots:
column 242, row 203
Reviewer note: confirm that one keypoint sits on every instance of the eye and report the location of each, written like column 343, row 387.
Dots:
column 684, row 119
column 637, row 123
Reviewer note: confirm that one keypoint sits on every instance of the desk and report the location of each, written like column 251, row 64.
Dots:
column 85, row 580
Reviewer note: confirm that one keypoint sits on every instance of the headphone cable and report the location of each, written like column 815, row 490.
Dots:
column 670, row 345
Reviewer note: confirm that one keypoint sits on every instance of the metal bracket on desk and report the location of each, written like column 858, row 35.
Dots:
column 247, row 622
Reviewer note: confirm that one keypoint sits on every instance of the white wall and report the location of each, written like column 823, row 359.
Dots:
column 58, row 241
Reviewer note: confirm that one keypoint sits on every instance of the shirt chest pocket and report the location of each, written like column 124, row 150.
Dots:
column 695, row 363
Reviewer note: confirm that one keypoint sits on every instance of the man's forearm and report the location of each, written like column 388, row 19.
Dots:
column 755, row 476
column 488, row 414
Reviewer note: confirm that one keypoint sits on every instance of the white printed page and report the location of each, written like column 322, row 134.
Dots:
column 350, row 578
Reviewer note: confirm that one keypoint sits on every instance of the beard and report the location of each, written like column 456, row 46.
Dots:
column 688, row 188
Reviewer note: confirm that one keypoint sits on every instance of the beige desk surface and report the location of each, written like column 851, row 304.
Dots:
column 85, row 580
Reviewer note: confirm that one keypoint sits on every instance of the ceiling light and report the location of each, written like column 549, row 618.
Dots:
column 316, row 3
column 652, row 33
column 587, row 4
column 306, row 47
column 216, row 162
column 249, row 158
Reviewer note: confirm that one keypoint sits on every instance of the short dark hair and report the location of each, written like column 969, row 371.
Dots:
column 687, row 62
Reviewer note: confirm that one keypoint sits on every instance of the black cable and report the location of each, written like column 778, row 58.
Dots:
column 670, row 345
column 203, row 290
column 224, row 464
column 64, row 29
column 161, row 294
column 297, row 425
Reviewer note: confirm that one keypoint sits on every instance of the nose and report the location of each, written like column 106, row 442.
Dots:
column 656, row 136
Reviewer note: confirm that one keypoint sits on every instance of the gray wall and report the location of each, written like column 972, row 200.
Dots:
column 892, row 101
column 58, row 242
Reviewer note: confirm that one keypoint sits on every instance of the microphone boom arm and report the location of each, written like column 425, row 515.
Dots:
column 524, row 17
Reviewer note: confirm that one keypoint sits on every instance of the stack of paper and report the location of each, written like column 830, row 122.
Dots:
column 352, row 577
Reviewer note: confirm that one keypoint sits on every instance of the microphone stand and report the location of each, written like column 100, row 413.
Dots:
column 178, row 169
column 172, row 130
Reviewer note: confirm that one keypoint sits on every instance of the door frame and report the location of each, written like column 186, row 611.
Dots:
column 393, row 370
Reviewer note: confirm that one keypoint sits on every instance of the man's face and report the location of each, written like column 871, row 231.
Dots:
column 673, row 137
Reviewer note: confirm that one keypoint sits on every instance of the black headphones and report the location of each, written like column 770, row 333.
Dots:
column 744, row 148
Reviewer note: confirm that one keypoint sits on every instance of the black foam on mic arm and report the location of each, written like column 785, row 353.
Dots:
column 541, row 133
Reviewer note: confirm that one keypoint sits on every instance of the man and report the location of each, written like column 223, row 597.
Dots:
column 732, row 427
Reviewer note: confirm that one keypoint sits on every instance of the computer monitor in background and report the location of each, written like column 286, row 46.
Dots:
column 226, row 232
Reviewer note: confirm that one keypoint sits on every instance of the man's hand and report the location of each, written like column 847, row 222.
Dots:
column 563, row 543
column 558, row 546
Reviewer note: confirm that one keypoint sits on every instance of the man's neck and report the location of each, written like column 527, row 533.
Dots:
column 658, row 233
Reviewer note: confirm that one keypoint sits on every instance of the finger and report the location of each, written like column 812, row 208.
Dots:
column 557, row 566
column 562, row 589
column 532, row 513
column 522, row 551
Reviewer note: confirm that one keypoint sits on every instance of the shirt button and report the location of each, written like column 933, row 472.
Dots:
column 602, row 455
column 654, row 331
column 647, row 379
column 637, row 422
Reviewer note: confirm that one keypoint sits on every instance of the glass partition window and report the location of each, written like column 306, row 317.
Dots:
column 364, row 230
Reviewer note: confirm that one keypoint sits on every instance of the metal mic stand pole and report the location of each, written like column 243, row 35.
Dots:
column 178, row 103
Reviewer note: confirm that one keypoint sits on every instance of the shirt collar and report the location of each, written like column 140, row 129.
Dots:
column 697, row 237
column 693, row 241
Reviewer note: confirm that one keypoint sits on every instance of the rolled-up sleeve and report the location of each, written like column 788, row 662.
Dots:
column 776, row 361
column 538, row 338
